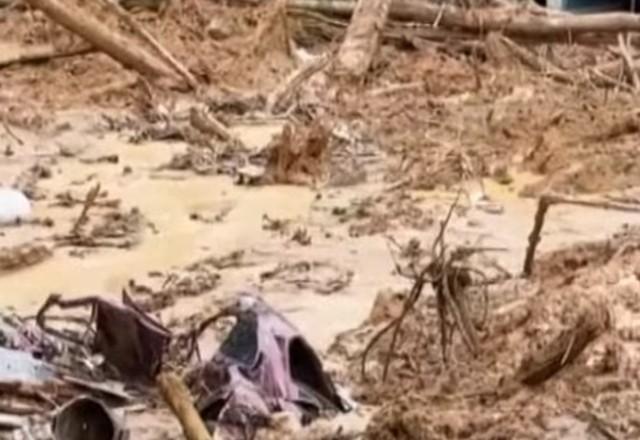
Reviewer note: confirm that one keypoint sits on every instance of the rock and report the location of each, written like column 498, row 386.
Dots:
column 388, row 305
column 14, row 206
column 249, row 174
column 491, row 207
column 219, row 29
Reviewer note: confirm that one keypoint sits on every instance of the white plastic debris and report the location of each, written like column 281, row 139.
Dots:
column 14, row 206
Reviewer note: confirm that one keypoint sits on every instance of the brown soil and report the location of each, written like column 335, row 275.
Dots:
column 488, row 397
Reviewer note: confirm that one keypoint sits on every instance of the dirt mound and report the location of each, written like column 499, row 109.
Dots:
column 555, row 358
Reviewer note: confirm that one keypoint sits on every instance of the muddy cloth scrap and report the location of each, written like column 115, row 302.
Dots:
column 264, row 366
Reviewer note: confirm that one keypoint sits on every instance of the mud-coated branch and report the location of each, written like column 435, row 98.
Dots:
column 121, row 49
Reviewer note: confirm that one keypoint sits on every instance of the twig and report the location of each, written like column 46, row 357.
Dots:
column 544, row 203
column 10, row 132
column 33, row 53
column 88, row 203
column 449, row 279
column 397, row 88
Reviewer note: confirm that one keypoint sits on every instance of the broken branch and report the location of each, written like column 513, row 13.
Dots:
column 89, row 200
column 40, row 52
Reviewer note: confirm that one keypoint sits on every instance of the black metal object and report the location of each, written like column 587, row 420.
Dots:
column 130, row 340
column 85, row 418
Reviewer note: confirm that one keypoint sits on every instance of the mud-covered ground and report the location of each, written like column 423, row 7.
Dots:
column 175, row 225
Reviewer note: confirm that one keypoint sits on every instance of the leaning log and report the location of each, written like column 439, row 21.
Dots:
column 177, row 396
column 505, row 20
column 363, row 37
column 121, row 49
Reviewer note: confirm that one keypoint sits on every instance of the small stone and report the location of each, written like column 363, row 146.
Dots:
column 219, row 29
column 491, row 207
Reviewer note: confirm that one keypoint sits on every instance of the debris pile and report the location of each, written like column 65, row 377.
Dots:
column 263, row 367
column 374, row 109
column 558, row 352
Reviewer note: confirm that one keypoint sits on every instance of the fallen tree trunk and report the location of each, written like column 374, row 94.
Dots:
column 313, row 26
column 363, row 37
column 123, row 50
column 504, row 20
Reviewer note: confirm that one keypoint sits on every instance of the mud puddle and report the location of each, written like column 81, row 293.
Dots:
column 173, row 201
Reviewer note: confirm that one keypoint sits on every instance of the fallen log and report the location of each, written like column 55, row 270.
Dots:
column 36, row 53
column 121, row 49
column 505, row 20
column 363, row 37
column 313, row 26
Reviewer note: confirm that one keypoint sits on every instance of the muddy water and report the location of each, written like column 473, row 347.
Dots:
column 168, row 199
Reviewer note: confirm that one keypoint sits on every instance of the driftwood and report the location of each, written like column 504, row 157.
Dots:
column 40, row 52
column 121, row 49
column 177, row 396
column 545, row 202
column 505, row 20
column 363, row 37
